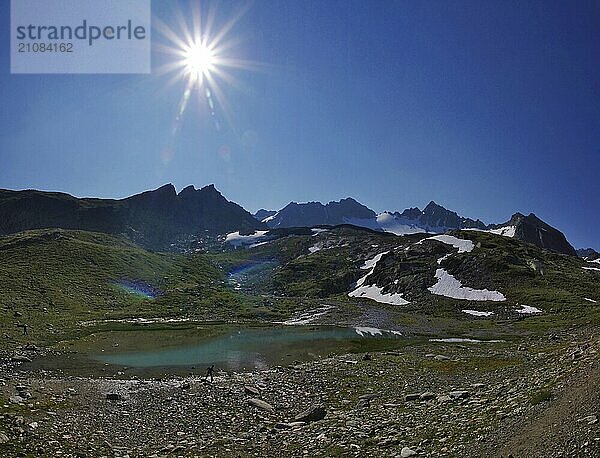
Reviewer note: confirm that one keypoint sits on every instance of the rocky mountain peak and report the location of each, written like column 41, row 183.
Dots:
column 533, row 230
column 190, row 189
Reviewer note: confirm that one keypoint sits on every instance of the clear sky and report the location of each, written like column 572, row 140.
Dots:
column 485, row 107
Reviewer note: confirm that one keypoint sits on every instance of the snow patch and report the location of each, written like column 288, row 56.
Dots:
column 239, row 240
column 449, row 286
column 528, row 310
column 318, row 230
column 477, row 313
column 590, row 300
column 591, row 268
column 363, row 330
column 308, row 317
column 314, row 248
column 389, row 223
column 439, row 261
column 269, row 218
column 464, row 246
column 137, row 321
column 506, row 231
column 254, row 245
column 370, row 264
column 376, row 293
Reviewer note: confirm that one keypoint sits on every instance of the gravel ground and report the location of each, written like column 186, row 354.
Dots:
column 538, row 398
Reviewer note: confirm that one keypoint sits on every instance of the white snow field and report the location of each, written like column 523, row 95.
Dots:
column 477, row 313
column 239, row 240
column 506, row 231
column 449, row 286
column 528, row 310
column 389, row 223
column 464, row 340
column 314, row 248
column 308, row 317
column 464, row 246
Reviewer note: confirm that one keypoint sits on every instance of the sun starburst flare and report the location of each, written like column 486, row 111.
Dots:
column 200, row 56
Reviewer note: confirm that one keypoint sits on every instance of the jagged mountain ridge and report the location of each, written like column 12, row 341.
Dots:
column 153, row 218
column 589, row 254
column 433, row 218
column 159, row 218
column 315, row 213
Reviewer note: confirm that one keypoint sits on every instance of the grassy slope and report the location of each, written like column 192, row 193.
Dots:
column 496, row 262
column 56, row 278
column 558, row 283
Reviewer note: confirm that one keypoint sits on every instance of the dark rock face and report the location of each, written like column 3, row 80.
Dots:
column 412, row 213
column 533, row 230
column 152, row 218
column 435, row 216
column 315, row 213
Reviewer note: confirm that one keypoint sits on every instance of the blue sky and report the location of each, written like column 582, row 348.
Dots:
column 485, row 107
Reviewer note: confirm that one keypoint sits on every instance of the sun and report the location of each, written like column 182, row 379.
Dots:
column 199, row 61
column 201, row 55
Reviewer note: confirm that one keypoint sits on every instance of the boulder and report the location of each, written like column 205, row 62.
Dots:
column 459, row 394
column 406, row 452
column 363, row 403
column 427, row 396
column 20, row 359
column 16, row 399
column 252, row 391
column 260, row 404
column 313, row 413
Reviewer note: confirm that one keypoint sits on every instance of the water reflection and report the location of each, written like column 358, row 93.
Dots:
column 248, row 348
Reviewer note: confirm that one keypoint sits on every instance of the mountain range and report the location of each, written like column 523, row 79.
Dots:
column 433, row 218
column 160, row 218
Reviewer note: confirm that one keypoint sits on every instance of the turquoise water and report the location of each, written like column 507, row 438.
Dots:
column 249, row 348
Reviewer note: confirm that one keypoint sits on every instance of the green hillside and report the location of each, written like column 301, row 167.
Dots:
column 56, row 281
column 53, row 279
